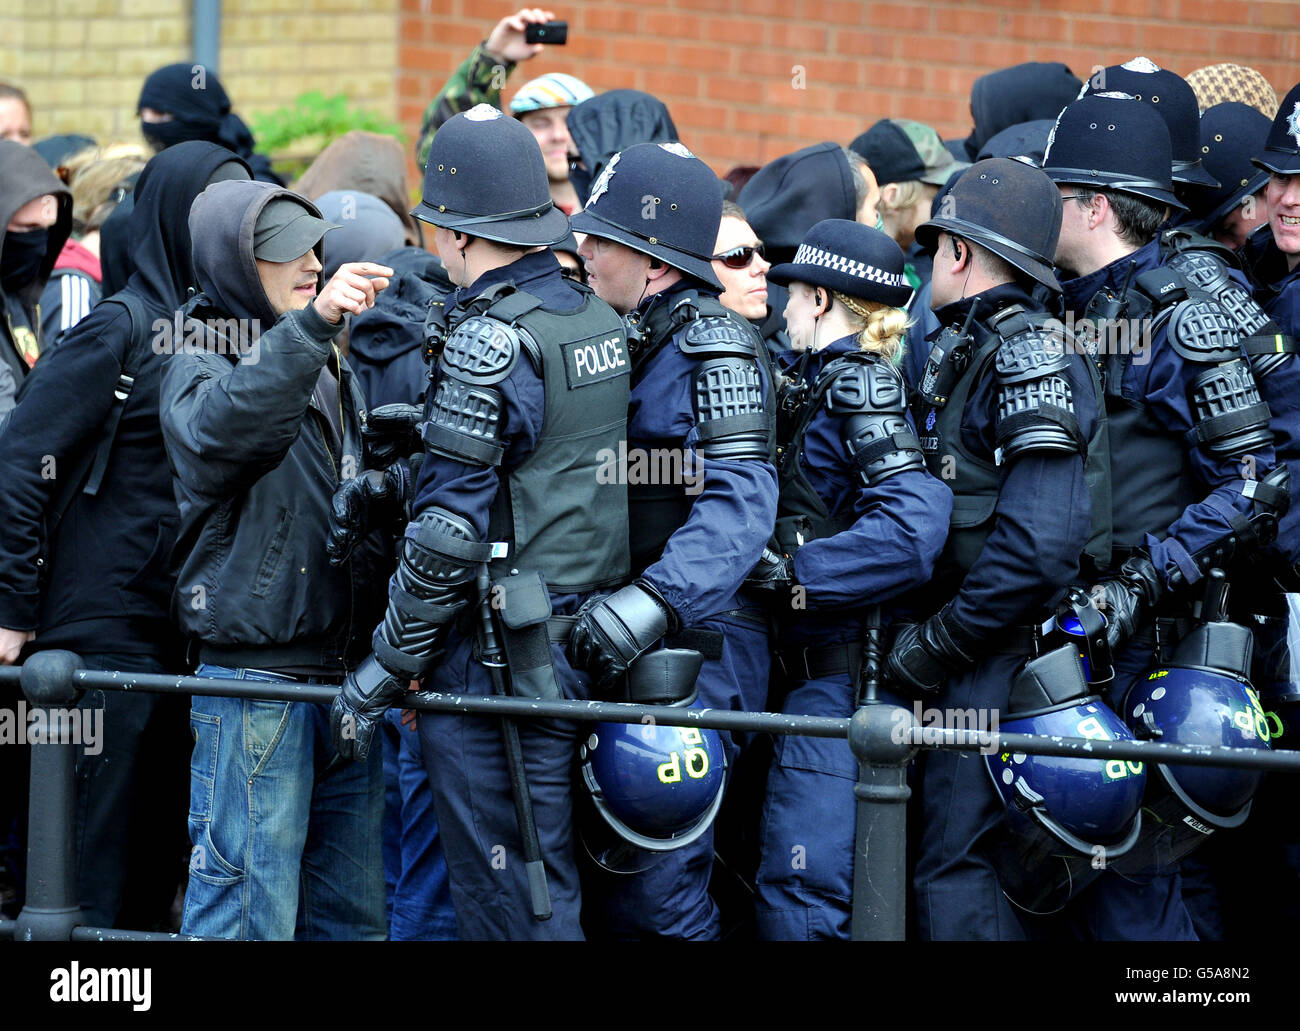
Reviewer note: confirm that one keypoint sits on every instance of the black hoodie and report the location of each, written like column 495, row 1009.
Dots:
column 1022, row 93
column 612, row 122
column 108, row 561
column 785, row 199
column 24, row 176
column 253, row 436
column 386, row 348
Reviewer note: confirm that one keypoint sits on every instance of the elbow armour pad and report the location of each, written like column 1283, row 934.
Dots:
column 464, row 420
column 871, row 398
column 731, row 413
column 1035, row 402
column 439, row 559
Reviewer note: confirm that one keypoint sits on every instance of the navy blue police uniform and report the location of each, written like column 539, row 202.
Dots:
column 529, row 388
column 1008, row 415
column 860, row 521
column 1190, row 450
column 701, row 390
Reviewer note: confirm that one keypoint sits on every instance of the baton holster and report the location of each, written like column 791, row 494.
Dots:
column 522, row 605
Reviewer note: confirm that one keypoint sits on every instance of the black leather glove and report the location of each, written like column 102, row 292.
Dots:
column 390, row 432
column 772, row 572
column 362, row 503
column 1125, row 599
column 924, row 655
column 612, row 631
column 368, row 692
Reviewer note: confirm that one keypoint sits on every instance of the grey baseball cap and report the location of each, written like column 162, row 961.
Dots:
column 286, row 230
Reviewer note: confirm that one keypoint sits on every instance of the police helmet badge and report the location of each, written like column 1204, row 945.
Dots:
column 601, row 184
column 1141, row 64
column 482, row 113
column 1293, row 123
column 679, row 149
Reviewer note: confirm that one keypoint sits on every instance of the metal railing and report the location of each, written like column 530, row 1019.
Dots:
column 883, row 737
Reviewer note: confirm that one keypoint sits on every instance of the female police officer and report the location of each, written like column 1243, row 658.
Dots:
column 860, row 521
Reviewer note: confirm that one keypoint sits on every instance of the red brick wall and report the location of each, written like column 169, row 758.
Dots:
column 727, row 69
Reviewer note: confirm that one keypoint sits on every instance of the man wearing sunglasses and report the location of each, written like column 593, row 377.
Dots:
column 739, row 264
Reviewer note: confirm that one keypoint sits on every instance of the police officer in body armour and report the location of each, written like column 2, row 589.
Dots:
column 701, row 392
column 519, row 413
column 1008, row 415
column 1191, row 456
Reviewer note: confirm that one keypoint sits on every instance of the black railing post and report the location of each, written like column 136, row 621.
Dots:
column 51, row 910
column 879, row 735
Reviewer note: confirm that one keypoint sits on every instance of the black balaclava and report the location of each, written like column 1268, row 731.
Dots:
column 193, row 96
column 20, row 262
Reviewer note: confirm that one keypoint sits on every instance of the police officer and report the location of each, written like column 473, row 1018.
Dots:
column 1274, row 253
column 1008, row 415
column 529, row 390
column 860, row 521
column 1191, row 454
column 700, row 392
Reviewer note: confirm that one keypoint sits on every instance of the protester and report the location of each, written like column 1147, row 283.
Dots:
column 255, row 592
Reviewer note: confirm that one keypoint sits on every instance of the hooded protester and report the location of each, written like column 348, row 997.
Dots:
column 368, row 162
column 1021, row 93
column 97, row 580
column 36, row 211
column 74, row 287
column 262, row 421
column 609, row 123
column 185, row 101
column 790, row 195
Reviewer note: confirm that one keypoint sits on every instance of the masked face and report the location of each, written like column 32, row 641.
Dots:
column 20, row 262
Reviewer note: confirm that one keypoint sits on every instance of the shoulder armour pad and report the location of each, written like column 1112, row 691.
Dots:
column 1176, row 242
column 1031, row 354
column 714, row 336
column 1207, row 271
column 1163, row 285
column 1202, row 269
column 1201, row 332
column 481, row 350
column 865, row 386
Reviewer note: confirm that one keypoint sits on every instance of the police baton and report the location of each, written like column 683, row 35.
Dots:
column 491, row 655
column 873, row 654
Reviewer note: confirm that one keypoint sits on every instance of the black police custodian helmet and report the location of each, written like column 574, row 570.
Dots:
column 1007, row 207
column 1169, row 96
column 1109, row 141
column 1281, row 153
column 486, row 177
column 1230, row 133
column 849, row 257
column 661, row 200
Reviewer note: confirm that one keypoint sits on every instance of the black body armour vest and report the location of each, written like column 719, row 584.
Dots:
column 803, row 515
column 974, row 480
column 561, row 510
column 659, row 509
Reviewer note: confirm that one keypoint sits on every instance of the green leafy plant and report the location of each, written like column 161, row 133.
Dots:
column 293, row 135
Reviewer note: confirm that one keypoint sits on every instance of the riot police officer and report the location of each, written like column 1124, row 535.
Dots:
column 1191, row 455
column 1007, row 413
column 529, row 390
column 1274, row 252
column 860, row 521
column 701, row 398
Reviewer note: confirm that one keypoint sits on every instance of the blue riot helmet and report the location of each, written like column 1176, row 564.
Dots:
column 1201, row 697
column 653, row 788
column 1066, row 817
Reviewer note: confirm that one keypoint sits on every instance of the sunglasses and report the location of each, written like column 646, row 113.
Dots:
column 739, row 257
column 576, row 274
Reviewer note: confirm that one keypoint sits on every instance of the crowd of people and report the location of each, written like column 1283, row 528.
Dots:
column 976, row 425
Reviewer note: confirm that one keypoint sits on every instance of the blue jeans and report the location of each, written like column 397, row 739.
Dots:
column 278, row 850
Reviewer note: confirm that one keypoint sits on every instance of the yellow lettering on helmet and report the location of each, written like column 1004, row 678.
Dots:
column 671, row 771
column 697, row 763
